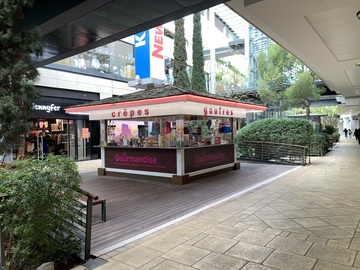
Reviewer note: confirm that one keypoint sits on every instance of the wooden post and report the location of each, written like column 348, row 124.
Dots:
column 88, row 227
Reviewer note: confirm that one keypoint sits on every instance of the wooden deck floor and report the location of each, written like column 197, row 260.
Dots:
column 135, row 206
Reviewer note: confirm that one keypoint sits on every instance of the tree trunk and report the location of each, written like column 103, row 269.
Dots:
column 307, row 107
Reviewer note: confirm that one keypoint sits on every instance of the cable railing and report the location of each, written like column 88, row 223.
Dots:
column 272, row 152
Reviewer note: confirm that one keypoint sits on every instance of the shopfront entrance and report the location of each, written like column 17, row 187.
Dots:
column 54, row 131
column 70, row 137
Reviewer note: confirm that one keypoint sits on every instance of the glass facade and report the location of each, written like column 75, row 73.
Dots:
column 258, row 42
column 115, row 58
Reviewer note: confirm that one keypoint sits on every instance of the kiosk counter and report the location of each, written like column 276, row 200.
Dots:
column 167, row 132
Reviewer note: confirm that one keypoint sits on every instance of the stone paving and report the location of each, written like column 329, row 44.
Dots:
column 306, row 219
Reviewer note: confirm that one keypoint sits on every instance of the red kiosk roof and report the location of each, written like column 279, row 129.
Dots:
column 169, row 94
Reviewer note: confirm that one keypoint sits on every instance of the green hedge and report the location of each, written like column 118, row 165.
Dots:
column 41, row 197
column 284, row 130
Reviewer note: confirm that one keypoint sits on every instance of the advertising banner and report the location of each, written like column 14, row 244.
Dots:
column 142, row 54
column 157, row 64
column 149, row 53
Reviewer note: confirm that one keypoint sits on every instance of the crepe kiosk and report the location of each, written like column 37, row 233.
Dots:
column 167, row 132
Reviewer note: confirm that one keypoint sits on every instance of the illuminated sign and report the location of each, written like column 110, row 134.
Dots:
column 46, row 108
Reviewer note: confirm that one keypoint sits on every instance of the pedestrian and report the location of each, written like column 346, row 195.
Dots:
column 345, row 131
column 167, row 73
column 356, row 134
column 350, row 133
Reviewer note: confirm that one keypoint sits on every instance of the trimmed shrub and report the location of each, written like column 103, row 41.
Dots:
column 319, row 144
column 330, row 130
column 38, row 212
column 284, row 130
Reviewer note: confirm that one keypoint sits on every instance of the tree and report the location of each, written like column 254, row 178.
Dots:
column 17, row 75
column 198, row 75
column 181, row 78
column 302, row 91
column 229, row 79
column 331, row 112
column 284, row 80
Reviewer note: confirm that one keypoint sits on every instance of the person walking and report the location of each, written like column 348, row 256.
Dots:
column 167, row 73
column 350, row 133
column 356, row 134
column 346, row 132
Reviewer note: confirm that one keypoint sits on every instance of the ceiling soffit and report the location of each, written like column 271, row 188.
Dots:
column 94, row 23
column 321, row 33
column 336, row 27
column 250, row 2
column 354, row 76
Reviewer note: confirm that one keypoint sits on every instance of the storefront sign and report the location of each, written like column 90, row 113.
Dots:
column 52, row 108
column 218, row 111
column 46, row 108
column 179, row 108
column 129, row 113
column 174, row 104
column 141, row 159
column 207, row 157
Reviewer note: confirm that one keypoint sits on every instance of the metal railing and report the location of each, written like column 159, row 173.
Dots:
column 83, row 225
column 317, row 146
column 272, row 152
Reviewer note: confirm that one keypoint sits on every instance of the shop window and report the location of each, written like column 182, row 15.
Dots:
column 162, row 132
